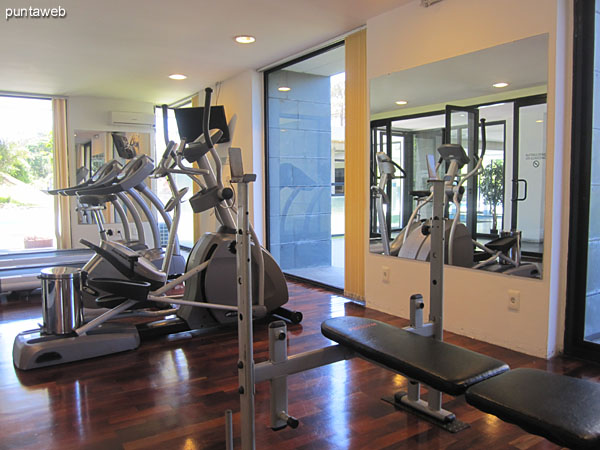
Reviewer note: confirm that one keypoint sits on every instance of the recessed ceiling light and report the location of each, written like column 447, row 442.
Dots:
column 177, row 76
column 500, row 85
column 284, row 89
column 245, row 39
column 401, row 102
column 493, row 105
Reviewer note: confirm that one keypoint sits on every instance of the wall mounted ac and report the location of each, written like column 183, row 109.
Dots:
column 131, row 118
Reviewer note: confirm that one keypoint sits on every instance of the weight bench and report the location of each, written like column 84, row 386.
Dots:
column 562, row 409
column 445, row 367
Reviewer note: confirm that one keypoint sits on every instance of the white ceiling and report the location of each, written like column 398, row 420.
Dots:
column 127, row 48
column 326, row 64
column 522, row 63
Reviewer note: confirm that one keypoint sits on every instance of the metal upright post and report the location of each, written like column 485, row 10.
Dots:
column 245, row 338
column 436, row 276
column 244, row 296
column 436, row 266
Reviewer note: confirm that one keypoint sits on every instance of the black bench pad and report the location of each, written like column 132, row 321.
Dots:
column 443, row 366
column 565, row 410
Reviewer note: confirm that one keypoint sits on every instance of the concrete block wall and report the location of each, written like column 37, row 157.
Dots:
column 299, row 169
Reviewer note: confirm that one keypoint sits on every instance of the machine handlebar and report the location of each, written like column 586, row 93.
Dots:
column 206, row 117
column 483, row 139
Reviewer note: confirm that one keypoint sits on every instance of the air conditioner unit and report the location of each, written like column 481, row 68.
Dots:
column 131, row 118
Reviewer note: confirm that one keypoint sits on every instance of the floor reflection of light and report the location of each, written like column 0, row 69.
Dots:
column 174, row 366
column 79, row 399
column 339, row 400
column 189, row 444
column 337, row 306
column 399, row 381
column 181, row 365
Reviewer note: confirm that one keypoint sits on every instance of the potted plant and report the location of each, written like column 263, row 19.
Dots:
column 491, row 187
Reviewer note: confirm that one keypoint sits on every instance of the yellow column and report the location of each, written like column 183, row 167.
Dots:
column 62, row 220
column 355, row 172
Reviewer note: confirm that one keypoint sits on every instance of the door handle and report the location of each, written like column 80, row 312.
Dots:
column 515, row 196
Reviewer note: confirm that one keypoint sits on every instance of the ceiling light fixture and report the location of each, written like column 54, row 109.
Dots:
column 284, row 89
column 491, row 106
column 245, row 39
column 502, row 84
column 401, row 102
column 539, row 121
column 177, row 76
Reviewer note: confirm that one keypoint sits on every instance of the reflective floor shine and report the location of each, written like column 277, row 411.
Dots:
column 172, row 393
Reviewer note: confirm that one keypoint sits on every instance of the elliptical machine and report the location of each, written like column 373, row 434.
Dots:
column 210, row 296
column 141, row 285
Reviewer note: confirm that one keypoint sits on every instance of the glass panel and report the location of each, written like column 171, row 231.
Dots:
column 397, row 183
column 423, row 135
column 26, row 171
column 491, row 181
column 185, row 230
column 462, row 126
column 591, row 331
column 306, row 167
column 379, row 144
column 529, row 187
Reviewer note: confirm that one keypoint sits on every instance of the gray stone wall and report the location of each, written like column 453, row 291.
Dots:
column 299, row 168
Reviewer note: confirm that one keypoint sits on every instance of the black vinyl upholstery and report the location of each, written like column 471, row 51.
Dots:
column 565, row 410
column 443, row 366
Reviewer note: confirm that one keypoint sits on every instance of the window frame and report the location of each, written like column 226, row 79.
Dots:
column 581, row 158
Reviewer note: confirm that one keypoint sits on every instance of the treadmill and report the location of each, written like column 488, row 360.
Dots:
column 19, row 271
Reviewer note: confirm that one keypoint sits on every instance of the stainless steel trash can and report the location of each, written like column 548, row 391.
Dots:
column 61, row 299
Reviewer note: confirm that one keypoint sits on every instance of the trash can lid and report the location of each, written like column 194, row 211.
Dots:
column 60, row 272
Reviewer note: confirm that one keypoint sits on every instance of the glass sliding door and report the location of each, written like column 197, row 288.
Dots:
column 529, row 169
column 582, row 328
column 462, row 125
column 305, row 166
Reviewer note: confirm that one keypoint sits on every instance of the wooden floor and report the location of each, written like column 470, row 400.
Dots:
column 172, row 393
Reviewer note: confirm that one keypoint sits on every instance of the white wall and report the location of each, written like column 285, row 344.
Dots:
column 243, row 99
column 93, row 114
column 476, row 302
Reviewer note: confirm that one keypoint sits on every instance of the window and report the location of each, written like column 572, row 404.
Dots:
column 305, row 166
column 582, row 330
column 185, row 231
column 26, row 172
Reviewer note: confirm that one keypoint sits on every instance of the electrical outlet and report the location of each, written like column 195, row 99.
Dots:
column 385, row 274
column 514, row 300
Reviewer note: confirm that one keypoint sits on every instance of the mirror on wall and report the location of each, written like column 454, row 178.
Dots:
column 93, row 149
column 496, row 213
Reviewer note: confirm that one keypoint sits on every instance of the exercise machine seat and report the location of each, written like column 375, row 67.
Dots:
column 564, row 410
column 443, row 366
column 502, row 244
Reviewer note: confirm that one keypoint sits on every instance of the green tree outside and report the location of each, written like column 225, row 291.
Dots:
column 491, row 188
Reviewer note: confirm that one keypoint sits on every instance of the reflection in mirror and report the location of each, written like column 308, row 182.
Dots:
column 93, row 150
column 495, row 205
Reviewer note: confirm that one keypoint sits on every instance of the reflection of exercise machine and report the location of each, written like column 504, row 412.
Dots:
column 129, row 186
column 414, row 241
column 125, row 188
column 563, row 409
